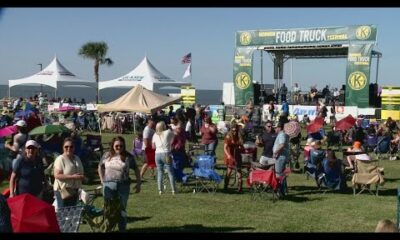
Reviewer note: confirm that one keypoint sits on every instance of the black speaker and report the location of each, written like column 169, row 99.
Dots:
column 256, row 89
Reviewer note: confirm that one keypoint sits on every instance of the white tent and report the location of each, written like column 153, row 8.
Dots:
column 144, row 74
column 54, row 75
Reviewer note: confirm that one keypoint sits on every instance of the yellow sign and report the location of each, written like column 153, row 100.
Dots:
column 242, row 80
column 245, row 38
column 363, row 32
column 357, row 80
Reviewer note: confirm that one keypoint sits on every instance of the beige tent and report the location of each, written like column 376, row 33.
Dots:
column 139, row 99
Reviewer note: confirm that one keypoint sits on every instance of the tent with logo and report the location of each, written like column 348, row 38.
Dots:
column 144, row 74
column 54, row 75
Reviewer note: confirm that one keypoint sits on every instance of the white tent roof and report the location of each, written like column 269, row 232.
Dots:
column 146, row 75
column 54, row 75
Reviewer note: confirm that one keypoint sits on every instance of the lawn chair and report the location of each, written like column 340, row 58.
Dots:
column 382, row 147
column 332, row 178
column 206, row 179
column 371, row 143
column 366, row 174
column 263, row 182
column 313, row 167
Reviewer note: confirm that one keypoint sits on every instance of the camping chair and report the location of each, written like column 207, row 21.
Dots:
column 313, row 167
column 206, row 179
column 91, row 154
column 263, row 181
column 334, row 138
column 101, row 220
column 332, row 179
column 366, row 174
column 371, row 142
column 382, row 147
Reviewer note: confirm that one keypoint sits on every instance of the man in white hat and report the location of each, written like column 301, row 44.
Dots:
column 19, row 140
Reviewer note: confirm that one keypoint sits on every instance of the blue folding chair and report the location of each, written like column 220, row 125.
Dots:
column 206, row 178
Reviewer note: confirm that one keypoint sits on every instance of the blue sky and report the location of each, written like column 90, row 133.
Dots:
column 29, row 36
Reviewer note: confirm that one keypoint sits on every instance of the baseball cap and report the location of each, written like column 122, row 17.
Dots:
column 21, row 123
column 32, row 143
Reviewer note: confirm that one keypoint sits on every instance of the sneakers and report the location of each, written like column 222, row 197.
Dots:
column 160, row 192
column 349, row 168
column 393, row 158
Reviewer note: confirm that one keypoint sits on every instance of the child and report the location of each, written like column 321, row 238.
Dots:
column 137, row 146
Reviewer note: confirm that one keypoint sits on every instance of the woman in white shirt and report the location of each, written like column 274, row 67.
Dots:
column 161, row 141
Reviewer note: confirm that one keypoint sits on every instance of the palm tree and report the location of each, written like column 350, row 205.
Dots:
column 96, row 51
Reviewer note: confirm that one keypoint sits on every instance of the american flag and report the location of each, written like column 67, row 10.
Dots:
column 187, row 58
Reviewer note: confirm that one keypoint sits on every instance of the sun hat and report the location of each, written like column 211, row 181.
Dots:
column 21, row 123
column 32, row 143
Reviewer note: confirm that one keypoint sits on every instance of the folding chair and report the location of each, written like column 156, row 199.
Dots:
column 366, row 174
column 382, row 147
column 69, row 218
column 371, row 143
column 204, row 174
column 263, row 182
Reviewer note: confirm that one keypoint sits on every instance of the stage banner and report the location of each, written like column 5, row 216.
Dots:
column 243, row 75
column 390, row 102
column 188, row 95
column 318, row 35
column 357, row 74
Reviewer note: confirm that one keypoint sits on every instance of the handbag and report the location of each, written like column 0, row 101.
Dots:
column 68, row 192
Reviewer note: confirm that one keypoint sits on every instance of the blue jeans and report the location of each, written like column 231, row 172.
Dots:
column 280, row 165
column 110, row 190
column 210, row 148
column 160, row 172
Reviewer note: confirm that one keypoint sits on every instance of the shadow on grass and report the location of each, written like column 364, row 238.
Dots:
column 190, row 228
column 135, row 219
column 299, row 199
column 307, row 190
column 392, row 179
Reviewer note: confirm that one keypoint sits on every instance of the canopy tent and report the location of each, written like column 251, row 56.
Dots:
column 144, row 74
column 139, row 99
column 54, row 75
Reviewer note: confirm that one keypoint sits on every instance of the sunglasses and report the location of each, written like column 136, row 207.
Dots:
column 31, row 148
column 119, row 146
column 68, row 146
column 268, row 126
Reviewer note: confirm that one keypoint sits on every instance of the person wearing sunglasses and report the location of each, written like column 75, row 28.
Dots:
column 68, row 174
column 114, row 175
column 28, row 172
column 266, row 140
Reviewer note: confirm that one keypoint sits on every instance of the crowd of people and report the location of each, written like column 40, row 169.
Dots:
column 161, row 145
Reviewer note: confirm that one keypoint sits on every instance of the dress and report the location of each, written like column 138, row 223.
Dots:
column 234, row 148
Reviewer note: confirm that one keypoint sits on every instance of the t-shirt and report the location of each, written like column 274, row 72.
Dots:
column 148, row 133
column 282, row 138
column 163, row 141
column 68, row 167
column 29, row 175
column 268, row 141
column 117, row 170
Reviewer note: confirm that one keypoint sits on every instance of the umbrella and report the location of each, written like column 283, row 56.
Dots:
column 30, row 214
column 7, row 131
column 49, row 129
column 292, row 129
column 345, row 123
column 315, row 125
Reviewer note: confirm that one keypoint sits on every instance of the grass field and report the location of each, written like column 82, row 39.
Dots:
column 305, row 209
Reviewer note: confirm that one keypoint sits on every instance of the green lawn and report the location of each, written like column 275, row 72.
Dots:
column 305, row 209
